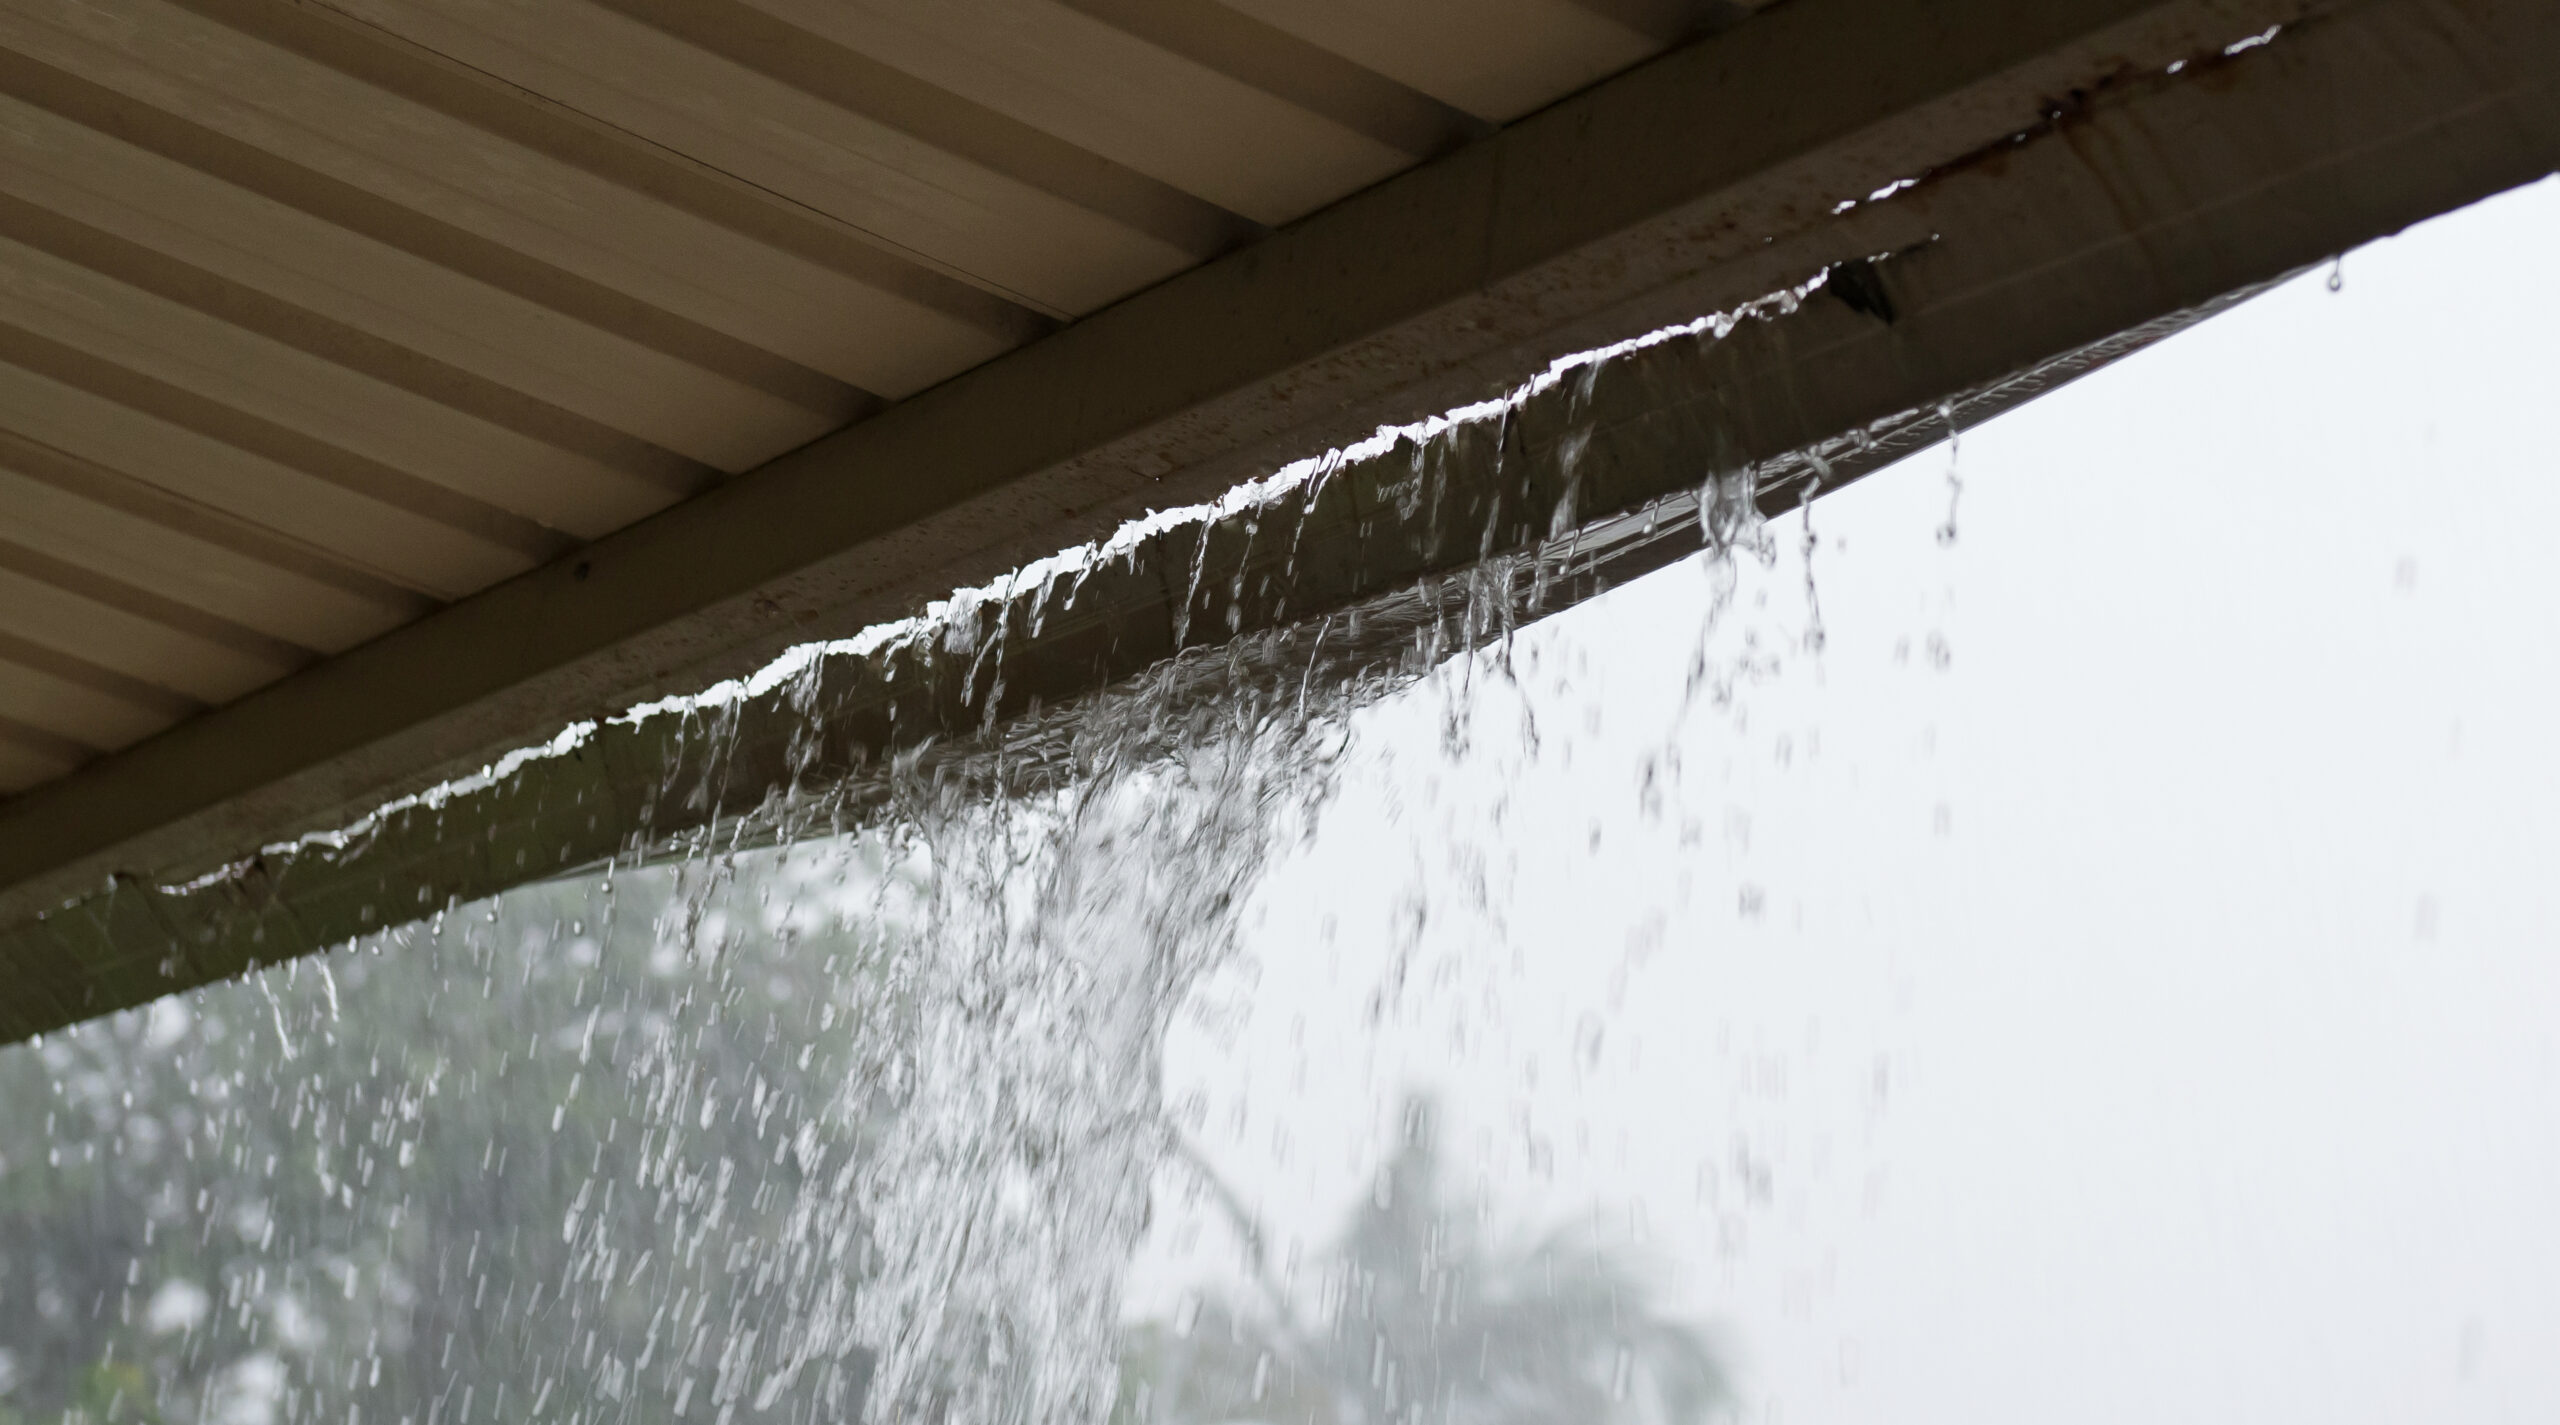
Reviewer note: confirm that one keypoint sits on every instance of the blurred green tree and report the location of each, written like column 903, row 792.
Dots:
column 533, row 1164
column 1424, row 1320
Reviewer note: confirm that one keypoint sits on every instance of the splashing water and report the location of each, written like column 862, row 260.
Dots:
column 847, row 1104
column 864, row 1124
column 1042, row 1072
column 1005, row 1197
column 850, row 1103
column 776, row 1133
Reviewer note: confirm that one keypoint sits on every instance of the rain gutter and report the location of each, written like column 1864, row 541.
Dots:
column 1979, row 199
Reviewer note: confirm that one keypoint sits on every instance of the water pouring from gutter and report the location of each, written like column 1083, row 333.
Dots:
column 1338, row 574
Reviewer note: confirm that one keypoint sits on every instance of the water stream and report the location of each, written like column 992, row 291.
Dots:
column 1851, row 972
column 836, row 1124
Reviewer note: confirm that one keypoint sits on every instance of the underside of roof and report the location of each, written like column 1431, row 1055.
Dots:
column 385, row 384
column 316, row 315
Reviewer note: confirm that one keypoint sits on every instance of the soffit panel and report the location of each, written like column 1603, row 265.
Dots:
column 1138, row 96
column 316, row 315
column 126, row 209
column 1495, row 59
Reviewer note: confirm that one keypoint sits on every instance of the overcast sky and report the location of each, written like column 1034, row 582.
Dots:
column 2130, row 949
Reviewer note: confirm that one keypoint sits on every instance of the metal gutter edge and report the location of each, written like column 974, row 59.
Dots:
column 2134, row 196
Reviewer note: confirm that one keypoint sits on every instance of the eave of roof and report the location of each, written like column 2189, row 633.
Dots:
column 2071, row 188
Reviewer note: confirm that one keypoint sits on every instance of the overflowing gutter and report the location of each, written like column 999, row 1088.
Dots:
column 1909, row 219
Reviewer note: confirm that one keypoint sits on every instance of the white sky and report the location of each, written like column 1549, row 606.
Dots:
column 2150, row 1015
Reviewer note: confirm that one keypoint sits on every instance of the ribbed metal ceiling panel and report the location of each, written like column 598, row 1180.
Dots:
column 317, row 316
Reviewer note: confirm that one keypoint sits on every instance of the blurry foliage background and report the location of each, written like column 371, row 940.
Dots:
column 530, row 1165
column 581, row 1154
